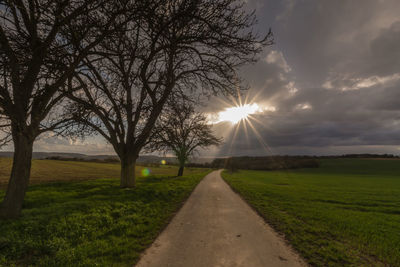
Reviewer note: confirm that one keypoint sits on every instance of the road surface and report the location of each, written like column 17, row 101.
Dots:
column 215, row 227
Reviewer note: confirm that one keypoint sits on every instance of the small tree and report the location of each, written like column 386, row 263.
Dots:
column 181, row 130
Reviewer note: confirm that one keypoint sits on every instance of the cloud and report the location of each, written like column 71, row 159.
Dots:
column 93, row 145
column 342, row 63
column 384, row 57
column 345, row 83
column 276, row 57
column 303, row 106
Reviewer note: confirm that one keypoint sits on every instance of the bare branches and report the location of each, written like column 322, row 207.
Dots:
column 181, row 130
column 42, row 44
column 167, row 48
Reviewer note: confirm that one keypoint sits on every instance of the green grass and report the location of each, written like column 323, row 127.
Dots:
column 347, row 212
column 92, row 223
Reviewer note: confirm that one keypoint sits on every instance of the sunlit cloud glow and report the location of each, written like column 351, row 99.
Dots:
column 241, row 112
column 303, row 106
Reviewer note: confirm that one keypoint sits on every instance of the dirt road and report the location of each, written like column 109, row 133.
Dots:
column 215, row 227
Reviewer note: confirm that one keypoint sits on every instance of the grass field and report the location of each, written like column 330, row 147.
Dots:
column 90, row 223
column 347, row 212
column 44, row 171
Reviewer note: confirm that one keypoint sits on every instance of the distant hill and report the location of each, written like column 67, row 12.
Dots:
column 43, row 155
column 61, row 155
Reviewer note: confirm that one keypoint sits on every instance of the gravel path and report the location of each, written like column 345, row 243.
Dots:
column 215, row 227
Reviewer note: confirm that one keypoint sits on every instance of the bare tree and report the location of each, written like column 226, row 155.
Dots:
column 41, row 45
column 170, row 48
column 181, row 130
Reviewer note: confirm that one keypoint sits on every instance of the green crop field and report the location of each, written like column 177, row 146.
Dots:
column 92, row 222
column 347, row 212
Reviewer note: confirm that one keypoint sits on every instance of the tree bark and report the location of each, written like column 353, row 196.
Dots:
column 19, row 179
column 180, row 171
column 128, row 176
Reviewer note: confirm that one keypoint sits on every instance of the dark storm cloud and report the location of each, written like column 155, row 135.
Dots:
column 319, row 37
column 334, row 80
column 384, row 56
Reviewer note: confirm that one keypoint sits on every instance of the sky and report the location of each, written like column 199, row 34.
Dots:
column 329, row 85
column 332, row 79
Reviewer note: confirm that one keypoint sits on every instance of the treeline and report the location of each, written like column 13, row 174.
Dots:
column 103, row 160
column 278, row 162
column 141, row 162
column 261, row 163
column 359, row 156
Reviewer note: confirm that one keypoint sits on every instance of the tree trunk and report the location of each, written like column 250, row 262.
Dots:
column 180, row 171
column 128, row 177
column 181, row 159
column 19, row 179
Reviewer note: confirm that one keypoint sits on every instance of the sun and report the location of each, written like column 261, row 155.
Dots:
column 238, row 113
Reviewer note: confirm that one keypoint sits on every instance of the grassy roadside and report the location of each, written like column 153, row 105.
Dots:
column 92, row 223
column 347, row 212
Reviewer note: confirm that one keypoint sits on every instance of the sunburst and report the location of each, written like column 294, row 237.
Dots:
column 237, row 113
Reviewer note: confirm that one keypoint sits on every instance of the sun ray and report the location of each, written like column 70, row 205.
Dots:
column 254, row 119
column 235, row 133
column 285, row 173
column 260, row 139
column 246, row 133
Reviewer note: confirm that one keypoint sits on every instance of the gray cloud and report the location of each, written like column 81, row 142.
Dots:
column 342, row 58
column 384, row 56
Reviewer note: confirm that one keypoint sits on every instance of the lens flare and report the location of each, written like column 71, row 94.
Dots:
column 145, row 172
